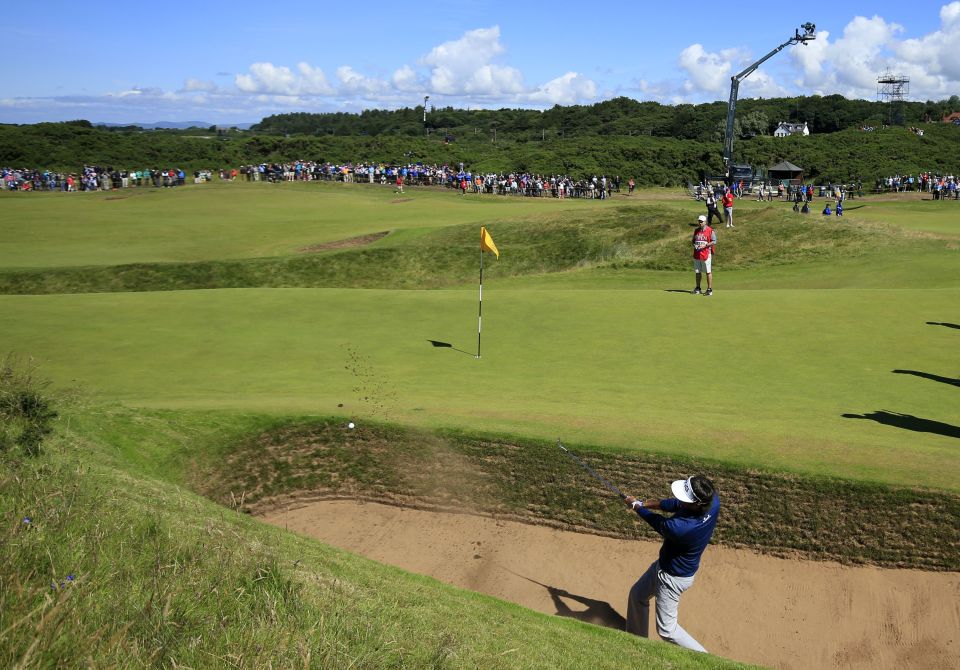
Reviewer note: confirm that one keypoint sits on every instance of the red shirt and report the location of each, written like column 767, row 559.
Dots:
column 704, row 234
column 728, row 199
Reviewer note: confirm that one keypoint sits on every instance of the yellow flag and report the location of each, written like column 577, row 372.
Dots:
column 486, row 242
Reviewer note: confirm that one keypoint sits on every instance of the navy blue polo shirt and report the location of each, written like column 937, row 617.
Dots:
column 685, row 535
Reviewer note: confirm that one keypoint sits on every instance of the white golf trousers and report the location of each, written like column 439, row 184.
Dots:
column 666, row 589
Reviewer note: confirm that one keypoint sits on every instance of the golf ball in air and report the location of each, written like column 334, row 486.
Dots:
column 351, row 425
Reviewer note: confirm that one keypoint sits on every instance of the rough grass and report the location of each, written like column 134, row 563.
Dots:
column 532, row 481
column 101, row 567
column 649, row 237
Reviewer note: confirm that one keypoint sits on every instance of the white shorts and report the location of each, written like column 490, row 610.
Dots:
column 702, row 266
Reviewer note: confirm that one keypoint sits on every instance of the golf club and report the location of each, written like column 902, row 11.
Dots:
column 586, row 467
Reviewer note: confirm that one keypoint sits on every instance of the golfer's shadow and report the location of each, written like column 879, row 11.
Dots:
column 597, row 612
column 927, row 375
column 909, row 422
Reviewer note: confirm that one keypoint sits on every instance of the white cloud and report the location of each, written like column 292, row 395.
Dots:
column 938, row 53
column 707, row 72
column 492, row 80
column 950, row 15
column 199, row 85
column 460, row 72
column 21, row 102
column 313, row 81
column 267, row 78
column 869, row 47
column 473, row 70
column 405, row 79
column 812, row 58
column 460, row 68
column 848, row 65
column 662, row 91
column 861, row 54
column 482, row 43
column 465, row 66
column 761, row 85
column 568, row 89
column 352, row 81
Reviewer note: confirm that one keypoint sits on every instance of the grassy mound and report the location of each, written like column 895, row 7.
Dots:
column 532, row 481
column 103, row 565
column 614, row 238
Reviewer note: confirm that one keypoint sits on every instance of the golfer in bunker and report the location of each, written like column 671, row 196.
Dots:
column 694, row 507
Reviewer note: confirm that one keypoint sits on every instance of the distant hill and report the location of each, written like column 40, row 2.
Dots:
column 174, row 125
column 621, row 116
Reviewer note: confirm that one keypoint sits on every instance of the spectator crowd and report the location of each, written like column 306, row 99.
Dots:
column 95, row 178
column 942, row 187
column 418, row 174
column 459, row 178
column 98, row 178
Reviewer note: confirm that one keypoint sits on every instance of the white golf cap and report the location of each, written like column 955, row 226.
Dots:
column 702, row 218
column 683, row 491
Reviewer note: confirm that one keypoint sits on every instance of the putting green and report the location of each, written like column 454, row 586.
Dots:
column 923, row 215
column 758, row 378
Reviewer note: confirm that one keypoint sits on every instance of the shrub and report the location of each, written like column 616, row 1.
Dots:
column 26, row 411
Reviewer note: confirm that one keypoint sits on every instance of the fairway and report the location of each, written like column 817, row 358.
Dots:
column 224, row 220
column 758, row 386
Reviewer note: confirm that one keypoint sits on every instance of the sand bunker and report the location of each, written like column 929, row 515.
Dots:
column 744, row 606
column 349, row 243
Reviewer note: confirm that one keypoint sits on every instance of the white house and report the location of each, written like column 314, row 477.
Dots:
column 785, row 129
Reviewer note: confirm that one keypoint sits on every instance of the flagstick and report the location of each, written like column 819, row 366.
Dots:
column 480, row 308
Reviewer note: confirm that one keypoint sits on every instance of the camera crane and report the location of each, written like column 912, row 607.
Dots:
column 809, row 33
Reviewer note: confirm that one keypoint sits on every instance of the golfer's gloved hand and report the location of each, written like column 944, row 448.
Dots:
column 632, row 502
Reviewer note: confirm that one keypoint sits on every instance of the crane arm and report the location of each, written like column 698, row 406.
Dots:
column 809, row 34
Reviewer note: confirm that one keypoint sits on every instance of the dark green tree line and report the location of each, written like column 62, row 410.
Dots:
column 654, row 143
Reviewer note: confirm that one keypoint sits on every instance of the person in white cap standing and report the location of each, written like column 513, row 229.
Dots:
column 704, row 240
column 695, row 507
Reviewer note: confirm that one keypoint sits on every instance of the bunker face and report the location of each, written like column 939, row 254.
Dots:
column 349, row 243
column 744, row 606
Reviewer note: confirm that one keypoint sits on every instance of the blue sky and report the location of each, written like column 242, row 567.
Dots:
column 238, row 62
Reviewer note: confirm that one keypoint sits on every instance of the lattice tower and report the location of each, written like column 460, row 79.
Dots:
column 893, row 89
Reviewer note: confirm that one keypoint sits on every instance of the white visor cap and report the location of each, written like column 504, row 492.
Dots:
column 683, row 491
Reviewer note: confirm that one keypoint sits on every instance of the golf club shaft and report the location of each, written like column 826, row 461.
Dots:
column 586, row 467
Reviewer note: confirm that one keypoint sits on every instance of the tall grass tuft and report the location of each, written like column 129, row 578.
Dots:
column 26, row 410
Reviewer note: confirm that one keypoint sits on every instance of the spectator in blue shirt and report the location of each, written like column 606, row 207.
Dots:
column 686, row 534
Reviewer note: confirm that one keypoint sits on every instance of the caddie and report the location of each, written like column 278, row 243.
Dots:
column 704, row 240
